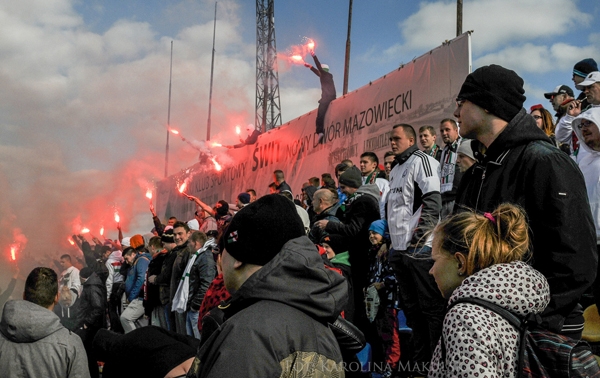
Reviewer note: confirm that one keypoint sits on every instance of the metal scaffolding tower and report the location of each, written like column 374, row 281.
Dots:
column 268, row 109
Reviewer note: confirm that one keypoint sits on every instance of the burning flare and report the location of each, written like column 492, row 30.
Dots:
column 311, row 44
column 182, row 187
column 217, row 165
column 149, row 194
column 85, row 230
column 13, row 252
column 237, row 130
column 174, row 131
column 297, row 59
column 101, row 231
column 215, row 144
column 71, row 241
column 117, row 218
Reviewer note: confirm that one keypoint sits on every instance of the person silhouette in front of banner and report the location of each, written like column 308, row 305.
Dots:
column 327, row 92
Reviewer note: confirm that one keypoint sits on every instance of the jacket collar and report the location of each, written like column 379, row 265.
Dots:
column 403, row 157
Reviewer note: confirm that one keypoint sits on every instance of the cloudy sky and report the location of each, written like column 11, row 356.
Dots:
column 84, row 86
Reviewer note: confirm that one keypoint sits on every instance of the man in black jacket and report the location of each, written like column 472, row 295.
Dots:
column 327, row 92
column 202, row 273
column 282, row 298
column 361, row 209
column 521, row 166
column 92, row 304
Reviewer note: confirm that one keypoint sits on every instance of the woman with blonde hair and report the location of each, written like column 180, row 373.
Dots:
column 481, row 256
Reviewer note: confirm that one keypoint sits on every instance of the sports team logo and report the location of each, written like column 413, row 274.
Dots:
column 233, row 237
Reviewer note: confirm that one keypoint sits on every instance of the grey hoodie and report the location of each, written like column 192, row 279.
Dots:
column 33, row 343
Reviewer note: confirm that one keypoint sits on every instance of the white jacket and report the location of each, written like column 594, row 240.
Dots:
column 113, row 264
column 410, row 181
column 590, row 166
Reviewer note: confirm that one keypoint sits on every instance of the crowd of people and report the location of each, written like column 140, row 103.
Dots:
column 505, row 208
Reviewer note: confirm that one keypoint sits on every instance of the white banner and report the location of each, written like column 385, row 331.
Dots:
column 419, row 93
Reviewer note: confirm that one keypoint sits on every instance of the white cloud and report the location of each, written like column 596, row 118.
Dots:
column 539, row 58
column 496, row 23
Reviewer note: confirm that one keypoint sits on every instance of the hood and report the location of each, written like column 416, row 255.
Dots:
column 297, row 277
column 310, row 192
column 504, row 285
column 93, row 280
column 341, row 258
column 370, row 189
column 116, row 256
column 26, row 322
column 592, row 114
column 519, row 131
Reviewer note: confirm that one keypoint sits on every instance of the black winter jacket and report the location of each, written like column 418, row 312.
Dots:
column 276, row 323
column 202, row 274
column 92, row 302
column 163, row 280
column 522, row 166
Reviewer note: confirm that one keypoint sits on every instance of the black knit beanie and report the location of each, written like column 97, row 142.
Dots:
column 168, row 236
column 259, row 230
column 338, row 243
column 351, row 178
column 584, row 67
column 495, row 89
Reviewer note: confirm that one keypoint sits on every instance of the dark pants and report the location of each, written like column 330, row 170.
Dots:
column 87, row 337
column 422, row 301
column 114, row 307
column 323, row 105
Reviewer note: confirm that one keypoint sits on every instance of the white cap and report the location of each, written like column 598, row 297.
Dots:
column 194, row 225
column 325, row 67
column 125, row 242
column 465, row 148
column 591, row 78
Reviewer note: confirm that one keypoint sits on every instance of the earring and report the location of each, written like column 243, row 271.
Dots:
column 461, row 274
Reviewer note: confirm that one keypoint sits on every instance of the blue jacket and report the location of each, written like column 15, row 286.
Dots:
column 136, row 276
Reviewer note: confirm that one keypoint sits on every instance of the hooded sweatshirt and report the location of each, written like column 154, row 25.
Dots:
column 277, row 320
column 33, row 343
column 492, row 341
column 590, row 165
column 113, row 264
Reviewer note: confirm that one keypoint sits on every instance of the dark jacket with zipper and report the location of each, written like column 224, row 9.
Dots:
column 276, row 323
column 522, row 167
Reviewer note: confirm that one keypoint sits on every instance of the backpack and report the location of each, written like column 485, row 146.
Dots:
column 542, row 353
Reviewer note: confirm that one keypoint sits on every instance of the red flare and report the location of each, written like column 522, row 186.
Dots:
column 117, row 218
column 149, row 194
column 101, row 231
column 297, row 59
column 13, row 252
column 237, row 130
column 215, row 144
column 182, row 187
column 174, row 131
column 71, row 241
column 311, row 44
column 217, row 165
column 85, row 230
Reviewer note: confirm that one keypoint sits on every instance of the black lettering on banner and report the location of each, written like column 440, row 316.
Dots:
column 369, row 122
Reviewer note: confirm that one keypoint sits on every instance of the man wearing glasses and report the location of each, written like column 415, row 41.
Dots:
column 588, row 132
column 522, row 166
